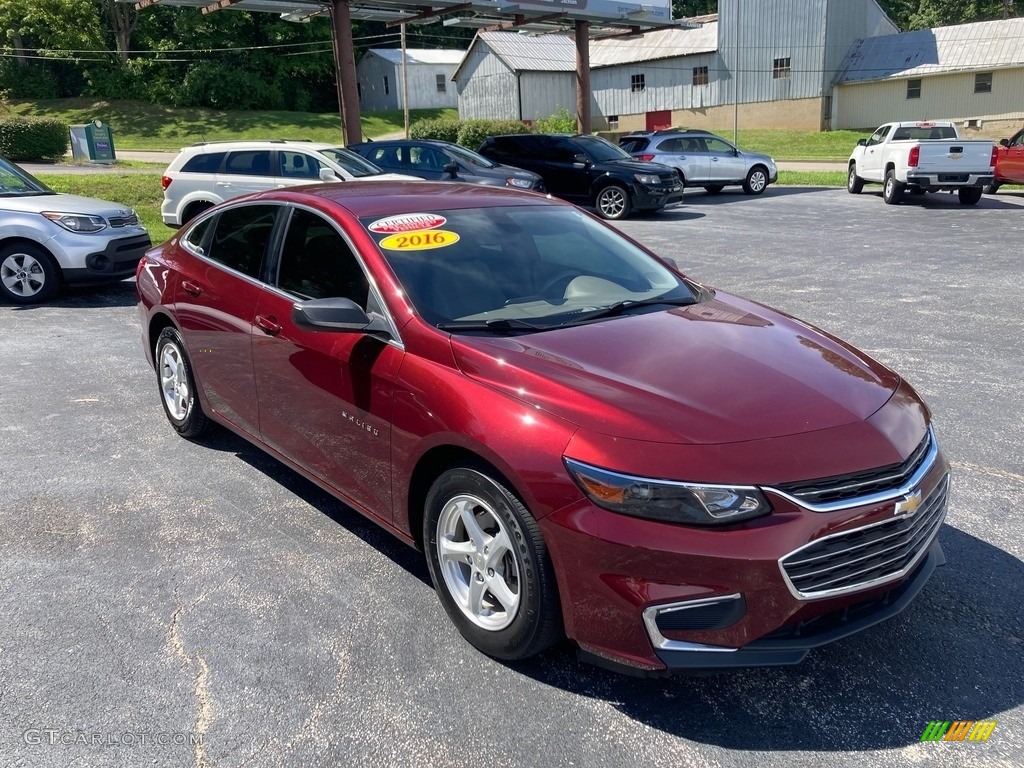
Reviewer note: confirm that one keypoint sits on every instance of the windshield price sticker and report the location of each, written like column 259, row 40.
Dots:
column 407, row 222
column 420, row 241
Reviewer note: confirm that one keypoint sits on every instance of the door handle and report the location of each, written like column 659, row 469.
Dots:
column 192, row 289
column 223, row 183
column 268, row 325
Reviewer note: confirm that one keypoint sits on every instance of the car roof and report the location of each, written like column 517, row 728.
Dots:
column 669, row 132
column 385, row 198
column 258, row 144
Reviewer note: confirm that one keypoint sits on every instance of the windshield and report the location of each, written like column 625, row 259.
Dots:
column 14, row 182
column 601, row 150
column 527, row 267
column 471, row 157
column 351, row 162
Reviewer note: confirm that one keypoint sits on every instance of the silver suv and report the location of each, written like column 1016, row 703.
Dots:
column 47, row 238
column 206, row 174
column 703, row 159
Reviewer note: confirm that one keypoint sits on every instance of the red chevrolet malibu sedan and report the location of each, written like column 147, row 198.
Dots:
column 584, row 442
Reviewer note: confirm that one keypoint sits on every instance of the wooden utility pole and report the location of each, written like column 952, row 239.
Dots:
column 345, row 71
column 405, row 84
column 583, row 76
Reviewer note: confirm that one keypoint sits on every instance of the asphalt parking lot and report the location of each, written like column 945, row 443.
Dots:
column 171, row 603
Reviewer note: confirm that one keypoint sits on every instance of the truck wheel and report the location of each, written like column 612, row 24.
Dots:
column 854, row 183
column 613, row 202
column 756, row 181
column 892, row 190
column 28, row 275
column 969, row 196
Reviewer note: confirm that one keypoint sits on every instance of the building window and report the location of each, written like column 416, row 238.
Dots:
column 781, row 68
column 442, row 85
column 387, row 86
column 637, row 83
column 983, row 82
column 700, row 75
column 914, row 89
column 613, row 122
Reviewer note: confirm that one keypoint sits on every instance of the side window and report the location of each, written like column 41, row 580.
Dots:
column 426, row 159
column 297, row 165
column 1018, row 140
column 386, row 157
column 718, row 147
column 248, row 163
column 240, row 237
column 879, row 135
column 196, row 237
column 563, row 150
column 671, row 145
column 316, row 262
column 208, row 162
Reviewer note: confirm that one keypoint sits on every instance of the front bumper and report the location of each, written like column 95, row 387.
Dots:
column 86, row 260
column 653, row 197
column 617, row 574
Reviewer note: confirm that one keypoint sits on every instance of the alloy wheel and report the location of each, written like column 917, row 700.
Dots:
column 23, row 275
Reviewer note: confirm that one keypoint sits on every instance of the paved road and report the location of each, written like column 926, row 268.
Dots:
column 149, row 585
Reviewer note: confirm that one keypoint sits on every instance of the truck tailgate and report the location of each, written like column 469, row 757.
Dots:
column 945, row 156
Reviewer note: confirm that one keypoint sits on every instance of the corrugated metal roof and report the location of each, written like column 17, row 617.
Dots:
column 660, row 44
column 557, row 52
column 536, row 53
column 420, row 55
column 964, row 47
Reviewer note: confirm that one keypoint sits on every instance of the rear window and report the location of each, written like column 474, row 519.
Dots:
column 634, row 144
column 208, row 162
column 918, row 133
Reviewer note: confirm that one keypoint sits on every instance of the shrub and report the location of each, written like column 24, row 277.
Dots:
column 473, row 132
column 563, row 121
column 440, row 129
column 24, row 138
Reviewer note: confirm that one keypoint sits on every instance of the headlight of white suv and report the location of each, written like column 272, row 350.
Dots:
column 666, row 500
column 76, row 222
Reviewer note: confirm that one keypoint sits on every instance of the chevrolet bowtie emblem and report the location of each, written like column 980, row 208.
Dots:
column 908, row 504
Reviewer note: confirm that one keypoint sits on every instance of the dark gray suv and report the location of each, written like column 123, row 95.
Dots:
column 702, row 159
column 443, row 161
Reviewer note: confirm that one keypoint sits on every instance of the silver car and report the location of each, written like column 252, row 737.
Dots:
column 703, row 159
column 48, row 238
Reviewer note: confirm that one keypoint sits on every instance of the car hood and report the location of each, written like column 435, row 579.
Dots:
column 511, row 170
column 639, row 166
column 64, row 204
column 389, row 177
column 721, row 371
column 757, row 157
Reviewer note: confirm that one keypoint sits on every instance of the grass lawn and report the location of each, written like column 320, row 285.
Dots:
column 141, row 126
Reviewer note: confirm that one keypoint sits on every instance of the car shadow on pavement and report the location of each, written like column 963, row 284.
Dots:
column 120, row 294
column 954, row 654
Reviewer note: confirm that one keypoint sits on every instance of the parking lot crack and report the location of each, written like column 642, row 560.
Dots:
column 200, row 687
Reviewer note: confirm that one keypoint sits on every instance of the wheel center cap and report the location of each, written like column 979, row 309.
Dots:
column 478, row 561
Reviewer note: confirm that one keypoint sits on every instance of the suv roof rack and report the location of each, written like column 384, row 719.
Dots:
column 251, row 141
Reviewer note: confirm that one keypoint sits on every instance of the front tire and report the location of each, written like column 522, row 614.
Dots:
column 892, row 190
column 969, row 196
column 613, row 202
column 178, row 385
column 854, row 183
column 490, row 565
column 756, row 181
column 28, row 274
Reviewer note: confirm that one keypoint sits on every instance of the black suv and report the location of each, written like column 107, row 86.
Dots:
column 436, row 160
column 587, row 170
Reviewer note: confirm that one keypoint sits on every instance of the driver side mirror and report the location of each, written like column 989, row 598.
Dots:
column 328, row 174
column 862, row 142
column 1004, row 142
column 452, row 170
column 335, row 314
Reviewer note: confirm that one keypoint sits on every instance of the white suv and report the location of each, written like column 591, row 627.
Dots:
column 206, row 174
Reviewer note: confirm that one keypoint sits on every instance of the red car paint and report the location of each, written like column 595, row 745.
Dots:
column 724, row 391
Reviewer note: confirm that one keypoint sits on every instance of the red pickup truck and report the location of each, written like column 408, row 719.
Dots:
column 1009, row 162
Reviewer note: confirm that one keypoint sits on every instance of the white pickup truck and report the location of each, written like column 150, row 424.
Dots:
column 922, row 157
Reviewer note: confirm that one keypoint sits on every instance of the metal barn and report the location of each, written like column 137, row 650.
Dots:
column 379, row 77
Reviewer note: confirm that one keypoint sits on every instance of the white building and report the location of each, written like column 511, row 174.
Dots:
column 379, row 78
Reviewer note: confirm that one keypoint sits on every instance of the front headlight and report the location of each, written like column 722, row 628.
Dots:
column 76, row 222
column 668, row 501
column 646, row 178
column 521, row 183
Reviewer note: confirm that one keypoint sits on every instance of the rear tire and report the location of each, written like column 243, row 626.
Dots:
column 490, row 565
column 854, row 183
column 178, row 387
column 969, row 196
column 613, row 202
column 28, row 274
column 892, row 190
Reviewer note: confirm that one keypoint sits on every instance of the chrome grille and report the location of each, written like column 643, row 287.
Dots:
column 829, row 490
column 868, row 556
column 124, row 221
